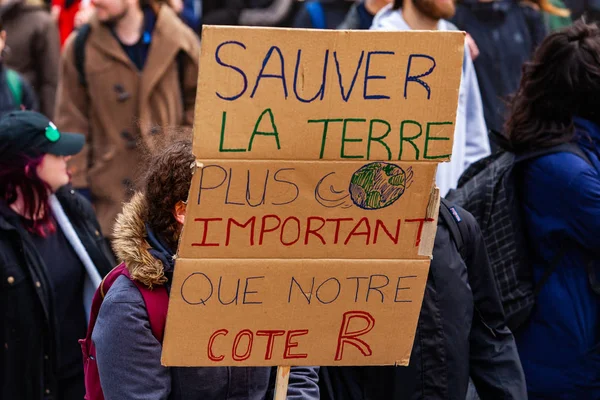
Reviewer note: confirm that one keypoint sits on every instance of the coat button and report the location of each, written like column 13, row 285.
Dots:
column 38, row 284
column 130, row 141
column 11, row 280
column 97, row 233
column 47, row 391
column 46, row 357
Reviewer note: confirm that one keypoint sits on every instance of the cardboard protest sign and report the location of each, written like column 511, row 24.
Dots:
column 312, row 213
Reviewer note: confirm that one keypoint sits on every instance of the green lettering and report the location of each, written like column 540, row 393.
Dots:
column 430, row 138
column 221, row 148
column 378, row 139
column 257, row 132
column 344, row 140
column 409, row 139
column 325, row 127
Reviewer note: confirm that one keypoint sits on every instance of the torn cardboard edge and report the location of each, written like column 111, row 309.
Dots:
column 430, row 230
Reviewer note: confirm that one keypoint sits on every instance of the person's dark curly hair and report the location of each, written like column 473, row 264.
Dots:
column 167, row 182
column 562, row 81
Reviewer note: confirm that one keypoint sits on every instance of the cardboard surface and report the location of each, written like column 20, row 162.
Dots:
column 304, row 245
column 307, row 210
column 309, row 298
column 272, row 80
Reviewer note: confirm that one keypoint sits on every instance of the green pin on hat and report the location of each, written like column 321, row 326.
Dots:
column 52, row 133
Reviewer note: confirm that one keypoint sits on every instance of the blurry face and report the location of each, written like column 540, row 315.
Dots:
column 111, row 11
column 53, row 171
column 436, row 9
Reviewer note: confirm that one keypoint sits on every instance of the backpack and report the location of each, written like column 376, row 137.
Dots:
column 15, row 86
column 317, row 14
column 79, row 49
column 488, row 190
column 453, row 220
column 156, row 301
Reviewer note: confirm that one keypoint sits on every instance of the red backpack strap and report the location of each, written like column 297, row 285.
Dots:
column 105, row 285
column 157, row 304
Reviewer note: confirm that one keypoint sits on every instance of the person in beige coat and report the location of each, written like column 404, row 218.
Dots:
column 140, row 72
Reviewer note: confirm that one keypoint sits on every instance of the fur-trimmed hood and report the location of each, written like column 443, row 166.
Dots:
column 131, row 245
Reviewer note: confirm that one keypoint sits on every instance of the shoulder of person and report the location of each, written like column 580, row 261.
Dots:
column 75, row 204
column 465, row 221
column 563, row 164
column 123, row 290
column 175, row 27
column 68, row 50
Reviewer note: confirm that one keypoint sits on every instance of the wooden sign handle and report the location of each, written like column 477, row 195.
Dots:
column 281, row 383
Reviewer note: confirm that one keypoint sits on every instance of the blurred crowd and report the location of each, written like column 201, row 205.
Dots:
column 121, row 76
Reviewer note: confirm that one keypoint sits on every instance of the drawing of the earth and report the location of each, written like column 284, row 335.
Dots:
column 377, row 185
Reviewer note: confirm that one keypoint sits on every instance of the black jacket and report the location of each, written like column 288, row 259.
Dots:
column 460, row 333
column 506, row 33
column 28, row 326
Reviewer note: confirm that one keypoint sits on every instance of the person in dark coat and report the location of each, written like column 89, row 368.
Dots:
column 461, row 333
column 52, row 257
column 33, row 47
column 129, row 362
column 15, row 91
column 506, row 33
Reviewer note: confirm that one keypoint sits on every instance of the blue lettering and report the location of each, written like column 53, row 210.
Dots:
column 369, row 77
column 220, row 62
column 416, row 78
column 323, row 81
column 337, row 66
column 263, row 75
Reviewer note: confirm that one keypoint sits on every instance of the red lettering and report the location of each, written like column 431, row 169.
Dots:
column 337, row 226
column 205, row 233
column 379, row 224
column 251, row 222
column 352, row 337
column 263, row 228
column 310, row 231
column 270, row 341
column 211, row 355
column 236, row 343
column 354, row 232
column 290, row 345
column 283, row 229
column 421, row 221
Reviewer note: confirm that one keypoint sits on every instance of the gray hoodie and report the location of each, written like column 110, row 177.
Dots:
column 128, row 354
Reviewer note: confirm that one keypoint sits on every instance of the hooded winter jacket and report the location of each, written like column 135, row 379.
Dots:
column 127, row 353
column 560, row 346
